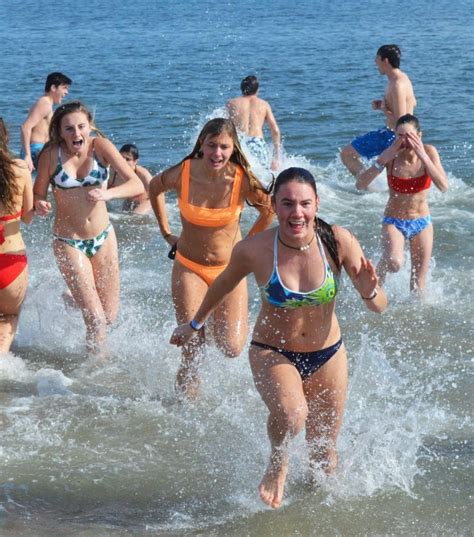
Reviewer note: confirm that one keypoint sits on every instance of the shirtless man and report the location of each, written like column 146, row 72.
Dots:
column 249, row 113
column 35, row 130
column 138, row 204
column 399, row 99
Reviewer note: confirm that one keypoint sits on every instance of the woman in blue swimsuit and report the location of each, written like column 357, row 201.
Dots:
column 77, row 167
column 297, row 357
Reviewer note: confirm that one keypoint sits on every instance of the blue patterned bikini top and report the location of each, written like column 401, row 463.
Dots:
column 96, row 177
column 275, row 293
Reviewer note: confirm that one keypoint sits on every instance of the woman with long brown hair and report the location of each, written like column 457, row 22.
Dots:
column 76, row 165
column 212, row 183
column 16, row 204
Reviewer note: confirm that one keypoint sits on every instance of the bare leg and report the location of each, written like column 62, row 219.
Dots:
column 231, row 322
column 392, row 255
column 421, row 247
column 281, row 389
column 351, row 160
column 188, row 290
column 326, row 392
column 76, row 269
column 11, row 299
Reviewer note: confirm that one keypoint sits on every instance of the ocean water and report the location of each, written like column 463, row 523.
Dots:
column 104, row 449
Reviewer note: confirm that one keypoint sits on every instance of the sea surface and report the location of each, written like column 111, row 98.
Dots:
column 105, row 450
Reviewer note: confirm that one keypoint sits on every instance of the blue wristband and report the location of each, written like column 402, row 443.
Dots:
column 195, row 325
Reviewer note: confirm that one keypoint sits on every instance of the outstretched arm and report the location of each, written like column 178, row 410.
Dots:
column 239, row 266
column 365, row 177
column 361, row 271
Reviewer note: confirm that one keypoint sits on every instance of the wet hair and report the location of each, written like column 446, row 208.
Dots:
column 218, row 126
column 61, row 112
column 132, row 149
column 56, row 79
column 323, row 229
column 8, row 185
column 409, row 118
column 249, row 85
column 392, row 53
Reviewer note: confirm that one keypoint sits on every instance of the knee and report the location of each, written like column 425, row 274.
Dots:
column 394, row 264
column 294, row 417
column 348, row 153
column 231, row 350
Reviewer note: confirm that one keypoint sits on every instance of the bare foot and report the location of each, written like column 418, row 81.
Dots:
column 273, row 482
column 187, row 384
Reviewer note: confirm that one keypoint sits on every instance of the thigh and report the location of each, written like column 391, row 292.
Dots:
column 276, row 379
column 77, row 272
column 421, row 247
column 231, row 319
column 12, row 297
column 393, row 242
column 188, row 290
column 105, row 268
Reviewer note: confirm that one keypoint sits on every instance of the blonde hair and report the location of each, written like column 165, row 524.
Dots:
column 8, row 185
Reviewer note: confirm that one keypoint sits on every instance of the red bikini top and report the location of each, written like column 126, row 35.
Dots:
column 5, row 219
column 408, row 185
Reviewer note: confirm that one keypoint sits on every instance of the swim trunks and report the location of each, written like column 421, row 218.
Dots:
column 257, row 148
column 373, row 143
column 35, row 150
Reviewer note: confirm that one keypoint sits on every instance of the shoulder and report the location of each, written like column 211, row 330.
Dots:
column 142, row 172
column 344, row 237
column 430, row 150
column 250, row 247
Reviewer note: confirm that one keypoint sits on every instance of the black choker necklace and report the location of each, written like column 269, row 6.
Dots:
column 300, row 248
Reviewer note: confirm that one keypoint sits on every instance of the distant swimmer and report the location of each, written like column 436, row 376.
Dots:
column 249, row 114
column 399, row 99
column 76, row 165
column 212, row 185
column 138, row 204
column 34, row 131
column 16, row 205
column 411, row 168
column 297, row 355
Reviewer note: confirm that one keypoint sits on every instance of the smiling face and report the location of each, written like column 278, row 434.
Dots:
column 217, row 150
column 296, row 205
column 75, row 130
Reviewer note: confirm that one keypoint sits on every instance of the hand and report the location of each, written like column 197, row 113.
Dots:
column 42, row 207
column 392, row 151
column 377, row 104
column 172, row 239
column 29, row 163
column 99, row 194
column 182, row 334
column 365, row 279
column 413, row 141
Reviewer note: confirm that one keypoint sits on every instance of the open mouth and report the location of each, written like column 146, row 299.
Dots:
column 77, row 144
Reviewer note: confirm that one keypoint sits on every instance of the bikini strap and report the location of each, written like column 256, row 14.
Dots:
column 185, row 173
column 275, row 250
column 239, row 174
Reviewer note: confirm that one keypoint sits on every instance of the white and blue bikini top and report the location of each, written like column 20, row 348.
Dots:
column 98, row 175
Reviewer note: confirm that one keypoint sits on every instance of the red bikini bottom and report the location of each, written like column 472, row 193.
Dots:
column 11, row 266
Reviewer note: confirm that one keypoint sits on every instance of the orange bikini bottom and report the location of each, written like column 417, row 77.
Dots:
column 11, row 266
column 206, row 273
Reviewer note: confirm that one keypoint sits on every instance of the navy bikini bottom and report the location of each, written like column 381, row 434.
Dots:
column 305, row 362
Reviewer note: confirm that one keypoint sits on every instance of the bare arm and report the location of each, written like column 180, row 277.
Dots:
column 360, row 270
column 261, row 201
column 145, row 177
column 27, row 211
column 365, row 177
column 160, row 184
column 108, row 153
column 38, row 112
column 431, row 161
column 239, row 266
column 40, row 190
column 276, row 138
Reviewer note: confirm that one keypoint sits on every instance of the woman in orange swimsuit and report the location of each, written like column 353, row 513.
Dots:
column 212, row 184
column 16, row 203
column 411, row 167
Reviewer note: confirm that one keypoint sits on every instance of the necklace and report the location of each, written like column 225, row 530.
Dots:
column 300, row 248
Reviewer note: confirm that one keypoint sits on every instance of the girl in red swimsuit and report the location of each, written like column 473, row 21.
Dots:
column 212, row 184
column 411, row 168
column 16, row 203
